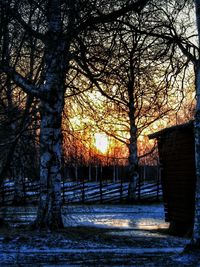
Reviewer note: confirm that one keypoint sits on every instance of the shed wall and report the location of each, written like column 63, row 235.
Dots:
column 176, row 151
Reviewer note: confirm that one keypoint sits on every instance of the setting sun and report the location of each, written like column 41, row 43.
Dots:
column 101, row 142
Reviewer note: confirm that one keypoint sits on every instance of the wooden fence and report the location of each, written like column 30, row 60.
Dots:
column 84, row 192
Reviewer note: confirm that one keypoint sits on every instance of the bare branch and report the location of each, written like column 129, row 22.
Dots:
column 104, row 18
column 17, row 16
column 182, row 44
column 22, row 82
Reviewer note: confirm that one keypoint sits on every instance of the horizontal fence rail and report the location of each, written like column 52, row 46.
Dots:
column 85, row 192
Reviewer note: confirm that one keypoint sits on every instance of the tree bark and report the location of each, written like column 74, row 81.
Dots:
column 196, row 230
column 49, row 210
column 133, row 157
column 52, row 103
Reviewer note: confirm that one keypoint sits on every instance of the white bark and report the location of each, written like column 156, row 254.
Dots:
column 196, row 230
column 49, row 211
column 133, row 157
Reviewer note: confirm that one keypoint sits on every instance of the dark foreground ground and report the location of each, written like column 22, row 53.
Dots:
column 94, row 236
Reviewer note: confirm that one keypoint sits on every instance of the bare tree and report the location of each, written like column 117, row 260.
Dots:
column 196, row 231
column 17, row 112
column 177, row 28
column 135, row 72
column 61, row 22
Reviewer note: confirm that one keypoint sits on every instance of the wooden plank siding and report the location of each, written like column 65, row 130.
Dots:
column 177, row 158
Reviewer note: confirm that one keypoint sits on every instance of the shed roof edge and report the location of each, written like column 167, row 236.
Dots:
column 170, row 129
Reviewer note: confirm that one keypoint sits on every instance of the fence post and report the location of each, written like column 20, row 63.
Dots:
column 121, row 188
column 100, row 186
column 83, row 191
column 114, row 174
column 3, row 194
column 24, row 189
column 76, row 173
column 139, row 184
column 144, row 174
column 63, row 191
column 89, row 170
column 158, row 181
column 96, row 173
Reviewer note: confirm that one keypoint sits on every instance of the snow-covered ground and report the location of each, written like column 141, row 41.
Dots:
column 116, row 216
column 96, row 235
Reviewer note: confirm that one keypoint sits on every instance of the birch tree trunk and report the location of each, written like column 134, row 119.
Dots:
column 196, row 230
column 49, row 210
column 133, row 157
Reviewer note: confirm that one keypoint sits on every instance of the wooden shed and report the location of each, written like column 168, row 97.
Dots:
column 177, row 158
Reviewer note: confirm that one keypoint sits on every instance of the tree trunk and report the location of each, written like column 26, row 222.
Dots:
column 196, row 230
column 133, row 160
column 52, row 103
column 49, row 210
column 133, row 157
